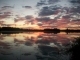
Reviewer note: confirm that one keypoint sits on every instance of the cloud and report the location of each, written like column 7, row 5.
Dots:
column 40, row 4
column 52, row 1
column 27, row 7
column 46, row 11
column 29, row 17
column 46, row 2
column 1, row 22
column 75, row 1
column 5, row 15
column 8, row 7
column 19, row 19
column 75, row 10
column 66, row 17
column 43, row 19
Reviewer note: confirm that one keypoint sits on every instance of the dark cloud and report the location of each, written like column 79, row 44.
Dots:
column 29, row 17
column 19, row 19
column 7, row 13
column 75, row 1
column 52, row 1
column 67, row 17
column 46, row 11
column 1, row 13
column 75, row 10
column 57, row 17
column 46, row 2
column 43, row 19
column 8, row 7
column 27, row 7
column 42, row 2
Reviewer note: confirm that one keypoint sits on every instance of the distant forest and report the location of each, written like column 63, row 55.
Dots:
column 20, row 29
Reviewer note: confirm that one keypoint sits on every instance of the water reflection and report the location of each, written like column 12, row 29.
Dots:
column 36, row 46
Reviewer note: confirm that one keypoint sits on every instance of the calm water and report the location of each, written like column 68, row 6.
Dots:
column 36, row 46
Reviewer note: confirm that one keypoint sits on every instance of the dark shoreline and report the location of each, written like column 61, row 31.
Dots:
column 47, row 31
column 19, row 30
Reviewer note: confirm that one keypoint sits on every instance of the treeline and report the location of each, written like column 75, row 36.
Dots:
column 45, row 30
column 20, row 29
column 70, row 30
column 10, row 29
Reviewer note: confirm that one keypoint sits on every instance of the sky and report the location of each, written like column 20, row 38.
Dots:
column 39, row 14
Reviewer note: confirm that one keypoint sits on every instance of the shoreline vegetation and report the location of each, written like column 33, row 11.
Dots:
column 17, row 30
column 75, row 49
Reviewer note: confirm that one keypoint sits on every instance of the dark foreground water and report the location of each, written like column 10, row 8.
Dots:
column 36, row 46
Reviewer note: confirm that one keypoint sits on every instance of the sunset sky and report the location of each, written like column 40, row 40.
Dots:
column 39, row 14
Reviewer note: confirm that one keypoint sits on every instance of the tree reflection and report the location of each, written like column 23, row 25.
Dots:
column 75, row 50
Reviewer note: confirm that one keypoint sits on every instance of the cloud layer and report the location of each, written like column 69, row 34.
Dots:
column 40, row 13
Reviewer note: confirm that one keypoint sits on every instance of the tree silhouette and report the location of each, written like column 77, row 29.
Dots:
column 75, row 50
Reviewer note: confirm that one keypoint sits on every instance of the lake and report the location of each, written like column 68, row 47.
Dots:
column 36, row 46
